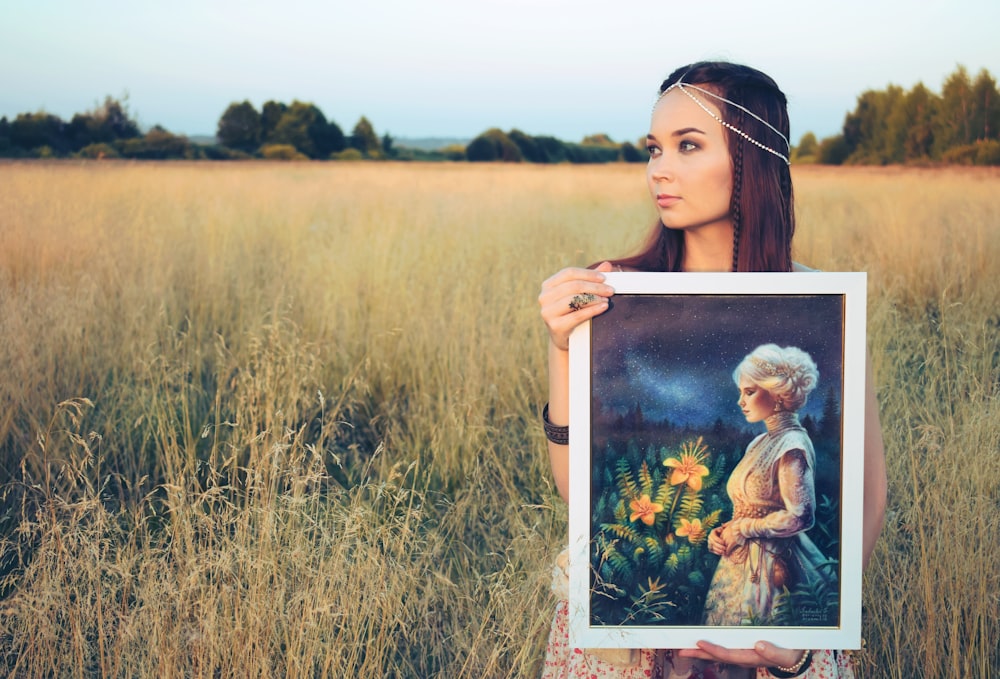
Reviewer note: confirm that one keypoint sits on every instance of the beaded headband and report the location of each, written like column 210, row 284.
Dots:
column 683, row 87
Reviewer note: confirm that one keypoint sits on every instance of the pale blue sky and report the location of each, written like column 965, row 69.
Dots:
column 458, row 67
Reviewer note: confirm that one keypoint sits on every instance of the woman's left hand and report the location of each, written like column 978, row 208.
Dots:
column 763, row 654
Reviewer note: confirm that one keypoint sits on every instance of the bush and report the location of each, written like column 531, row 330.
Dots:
column 988, row 152
column 347, row 154
column 982, row 152
column 216, row 152
column 592, row 153
column 97, row 151
column 157, row 144
column 453, row 152
column 281, row 152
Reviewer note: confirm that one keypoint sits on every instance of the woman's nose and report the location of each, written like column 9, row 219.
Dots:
column 660, row 168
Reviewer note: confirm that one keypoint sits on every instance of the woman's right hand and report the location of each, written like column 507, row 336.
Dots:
column 565, row 304
column 716, row 543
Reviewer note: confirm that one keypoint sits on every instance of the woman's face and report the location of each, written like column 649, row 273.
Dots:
column 690, row 174
column 756, row 402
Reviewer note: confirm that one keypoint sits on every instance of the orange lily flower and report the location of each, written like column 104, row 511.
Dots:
column 687, row 469
column 692, row 530
column 644, row 509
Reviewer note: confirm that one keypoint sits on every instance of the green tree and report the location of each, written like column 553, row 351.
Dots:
column 529, row 148
column 114, row 119
column 867, row 132
column 630, row 154
column 104, row 124
column 305, row 127
column 36, row 130
column 552, row 149
column 492, row 145
column 387, row 149
column 599, row 139
column 240, row 127
column 921, row 107
column 364, row 139
column 953, row 125
column 833, row 150
column 985, row 117
column 4, row 135
column 807, row 149
column 270, row 116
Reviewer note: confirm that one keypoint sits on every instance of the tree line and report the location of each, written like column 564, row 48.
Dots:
column 959, row 126
column 894, row 126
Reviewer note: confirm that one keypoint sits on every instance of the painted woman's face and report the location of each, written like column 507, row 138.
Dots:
column 756, row 402
column 689, row 174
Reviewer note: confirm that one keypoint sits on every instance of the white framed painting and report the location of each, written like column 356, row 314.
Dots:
column 694, row 514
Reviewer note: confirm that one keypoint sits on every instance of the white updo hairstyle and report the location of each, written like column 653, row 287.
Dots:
column 788, row 374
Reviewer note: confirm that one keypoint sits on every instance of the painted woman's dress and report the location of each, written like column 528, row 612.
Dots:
column 773, row 503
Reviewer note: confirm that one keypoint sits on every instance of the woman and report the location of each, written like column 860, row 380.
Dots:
column 719, row 176
column 764, row 548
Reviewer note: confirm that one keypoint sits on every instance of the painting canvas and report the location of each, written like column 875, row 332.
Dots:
column 658, row 428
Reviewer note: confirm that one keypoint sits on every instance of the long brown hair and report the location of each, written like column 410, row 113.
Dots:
column 761, row 205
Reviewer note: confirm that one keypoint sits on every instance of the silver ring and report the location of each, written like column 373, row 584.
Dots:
column 581, row 300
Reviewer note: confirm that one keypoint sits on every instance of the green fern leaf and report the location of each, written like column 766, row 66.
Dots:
column 622, row 530
column 645, row 479
column 626, row 481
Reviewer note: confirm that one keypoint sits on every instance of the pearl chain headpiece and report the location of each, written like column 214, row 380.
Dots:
column 683, row 87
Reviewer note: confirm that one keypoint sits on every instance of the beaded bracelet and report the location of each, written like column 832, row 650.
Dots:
column 559, row 435
column 793, row 670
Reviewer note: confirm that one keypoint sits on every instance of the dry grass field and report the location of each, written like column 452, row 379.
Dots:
column 264, row 420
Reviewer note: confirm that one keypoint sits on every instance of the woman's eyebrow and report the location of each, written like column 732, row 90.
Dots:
column 687, row 130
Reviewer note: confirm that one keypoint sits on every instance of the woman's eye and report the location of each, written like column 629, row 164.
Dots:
column 652, row 150
column 686, row 145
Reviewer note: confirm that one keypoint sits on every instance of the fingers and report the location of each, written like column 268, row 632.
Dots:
column 763, row 654
column 774, row 656
column 571, row 297
column 577, row 274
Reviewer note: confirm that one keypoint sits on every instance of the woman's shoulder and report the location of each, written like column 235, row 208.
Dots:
column 798, row 267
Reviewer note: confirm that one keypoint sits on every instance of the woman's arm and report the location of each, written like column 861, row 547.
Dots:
column 559, row 414
column 798, row 494
column 875, row 483
column 560, row 319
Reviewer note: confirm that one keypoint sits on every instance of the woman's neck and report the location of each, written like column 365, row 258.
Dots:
column 781, row 420
column 709, row 248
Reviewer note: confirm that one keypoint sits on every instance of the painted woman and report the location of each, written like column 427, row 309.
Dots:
column 764, row 549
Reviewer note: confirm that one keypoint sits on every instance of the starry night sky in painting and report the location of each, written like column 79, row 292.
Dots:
column 675, row 354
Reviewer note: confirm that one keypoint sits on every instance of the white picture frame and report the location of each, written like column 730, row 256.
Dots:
column 667, row 344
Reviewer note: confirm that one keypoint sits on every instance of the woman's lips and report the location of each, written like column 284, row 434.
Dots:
column 666, row 200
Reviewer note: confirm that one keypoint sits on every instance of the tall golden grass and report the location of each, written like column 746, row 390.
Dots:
column 281, row 420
